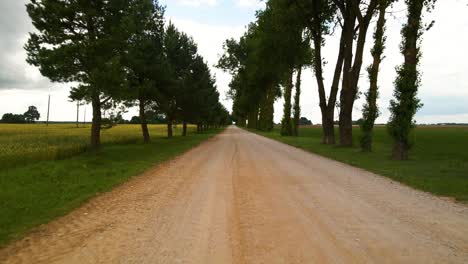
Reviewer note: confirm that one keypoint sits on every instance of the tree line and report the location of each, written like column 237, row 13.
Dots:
column 123, row 53
column 288, row 36
column 30, row 116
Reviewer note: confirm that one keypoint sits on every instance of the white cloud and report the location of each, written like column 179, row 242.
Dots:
column 197, row 2
column 250, row 3
column 210, row 39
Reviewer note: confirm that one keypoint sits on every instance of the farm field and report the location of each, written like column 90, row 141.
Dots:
column 47, row 172
column 438, row 161
column 25, row 143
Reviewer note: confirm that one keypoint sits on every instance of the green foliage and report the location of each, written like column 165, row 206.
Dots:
column 273, row 46
column 82, row 42
column 13, row 118
column 32, row 114
column 439, row 163
column 405, row 103
column 370, row 110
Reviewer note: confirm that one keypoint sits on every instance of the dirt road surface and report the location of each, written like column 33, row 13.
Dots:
column 242, row 198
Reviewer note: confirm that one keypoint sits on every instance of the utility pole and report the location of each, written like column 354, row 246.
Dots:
column 77, row 112
column 48, row 109
column 84, row 117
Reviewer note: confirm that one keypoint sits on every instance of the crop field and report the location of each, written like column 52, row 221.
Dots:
column 23, row 144
column 438, row 161
column 46, row 171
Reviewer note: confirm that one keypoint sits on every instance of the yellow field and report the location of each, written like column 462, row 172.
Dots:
column 25, row 143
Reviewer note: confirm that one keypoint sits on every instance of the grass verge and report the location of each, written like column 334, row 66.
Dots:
column 37, row 193
column 438, row 161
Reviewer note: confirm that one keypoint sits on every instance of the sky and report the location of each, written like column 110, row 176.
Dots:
column 444, row 88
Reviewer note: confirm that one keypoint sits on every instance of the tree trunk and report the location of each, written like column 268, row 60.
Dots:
column 327, row 108
column 144, row 123
column 328, row 126
column 96, row 123
column 241, row 121
column 346, row 95
column 352, row 70
column 267, row 109
column 400, row 150
column 370, row 110
column 253, row 118
column 297, row 105
column 169, row 127
column 184, row 129
column 286, row 128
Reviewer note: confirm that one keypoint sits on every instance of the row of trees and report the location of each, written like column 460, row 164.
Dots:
column 289, row 35
column 120, row 52
column 30, row 116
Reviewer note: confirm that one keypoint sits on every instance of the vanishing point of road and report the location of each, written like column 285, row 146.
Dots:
column 243, row 198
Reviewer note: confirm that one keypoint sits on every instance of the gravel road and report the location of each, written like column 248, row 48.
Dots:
column 243, row 198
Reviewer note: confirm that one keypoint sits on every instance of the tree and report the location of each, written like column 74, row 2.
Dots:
column 198, row 96
column 81, row 41
column 360, row 12
column 145, row 61
column 319, row 17
column 259, row 68
column 304, row 121
column 370, row 110
column 297, row 106
column 32, row 114
column 13, row 118
column 404, row 106
column 180, row 51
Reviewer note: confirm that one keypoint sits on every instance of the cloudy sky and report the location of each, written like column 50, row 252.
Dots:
column 444, row 89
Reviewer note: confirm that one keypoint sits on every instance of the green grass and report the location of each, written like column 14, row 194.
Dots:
column 23, row 144
column 438, row 162
column 38, row 192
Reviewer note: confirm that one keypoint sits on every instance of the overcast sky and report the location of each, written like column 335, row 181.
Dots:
column 444, row 89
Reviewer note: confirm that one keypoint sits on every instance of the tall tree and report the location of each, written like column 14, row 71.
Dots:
column 319, row 17
column 404, row 106
column 144, row 60
column 360, row 12
column 180, row 51
column 297, row 106
column 80, row 41
column 286, row 126
column 370, row 110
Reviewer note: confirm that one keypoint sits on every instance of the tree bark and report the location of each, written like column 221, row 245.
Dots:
column 267, row 109
column 184, row 129
column 253, row 118
column 297, row 105
column 286, row 128
column 241, row 121
column 144, row 123
column 346, row 95
column 96, row 123
column 169, row 127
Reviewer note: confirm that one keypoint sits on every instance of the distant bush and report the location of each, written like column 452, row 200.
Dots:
column 13, row 118
column 304, row 121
